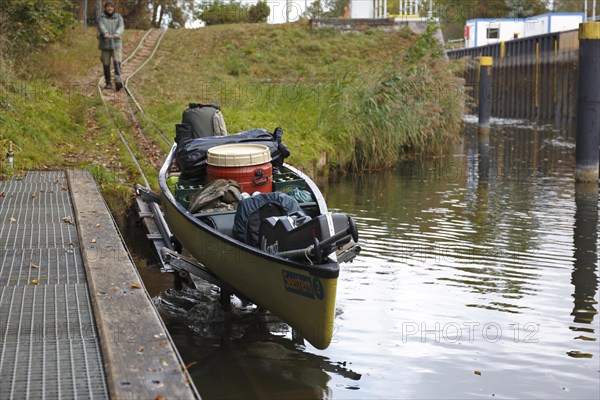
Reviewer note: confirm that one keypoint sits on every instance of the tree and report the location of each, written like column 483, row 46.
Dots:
column 259, row 12
column 569, row 5
column 30, row 24
column 136, row 13
column 178, row 18
column 219, row 12
column 454, row 13
column 335, row 8
column 327, row 8
column 315, row 10
column 526, row 8
column 175, row 12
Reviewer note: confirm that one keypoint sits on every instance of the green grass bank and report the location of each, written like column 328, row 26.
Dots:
column 51, row 113
column 345, row 101
column 50, row 108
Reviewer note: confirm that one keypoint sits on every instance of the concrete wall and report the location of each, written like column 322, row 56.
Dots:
column 386, row 24
column 362, row 24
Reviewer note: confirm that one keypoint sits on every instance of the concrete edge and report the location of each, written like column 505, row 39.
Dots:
column 139, row 357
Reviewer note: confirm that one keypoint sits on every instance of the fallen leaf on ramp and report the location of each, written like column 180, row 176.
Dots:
column 190, row 365
column 34, row 281
column 578, row 354
column 33, row 265
column 136, row 286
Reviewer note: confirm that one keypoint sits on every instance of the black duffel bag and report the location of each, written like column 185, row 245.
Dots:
column 191, row 155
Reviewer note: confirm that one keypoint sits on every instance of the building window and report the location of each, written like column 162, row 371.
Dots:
column 493, row 33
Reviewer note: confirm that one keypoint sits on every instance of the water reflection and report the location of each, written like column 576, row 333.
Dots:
column 584, row 277
column 483, row 150
column 495, row 235
column 491, row 229
column 246, row 353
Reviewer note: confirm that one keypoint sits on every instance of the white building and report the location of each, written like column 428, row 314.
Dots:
column 484, row 31
column 379, row 9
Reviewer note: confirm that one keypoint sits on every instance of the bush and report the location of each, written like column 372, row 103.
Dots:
column 259, row 12
column 219, row 12
column 29, row 24
column 233, row 12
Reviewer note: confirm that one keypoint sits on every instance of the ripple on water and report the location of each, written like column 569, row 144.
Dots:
column 468, row 286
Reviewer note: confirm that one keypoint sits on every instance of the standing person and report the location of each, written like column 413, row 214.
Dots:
column 110, row 30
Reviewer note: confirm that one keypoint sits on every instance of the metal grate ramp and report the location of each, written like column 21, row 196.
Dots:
column 49, row 345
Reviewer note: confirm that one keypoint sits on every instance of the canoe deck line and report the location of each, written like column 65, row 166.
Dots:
column 75, row 319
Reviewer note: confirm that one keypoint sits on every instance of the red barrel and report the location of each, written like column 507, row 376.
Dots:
column 247, row 164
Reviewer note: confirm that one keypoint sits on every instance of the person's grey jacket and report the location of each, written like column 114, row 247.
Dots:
column 112, row 25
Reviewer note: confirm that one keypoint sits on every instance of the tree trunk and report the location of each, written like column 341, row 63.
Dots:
column 162, row 12
column 81, row 9
column 155, row 5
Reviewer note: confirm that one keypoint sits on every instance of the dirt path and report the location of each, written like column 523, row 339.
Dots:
column 120, row 101
column 150, row 148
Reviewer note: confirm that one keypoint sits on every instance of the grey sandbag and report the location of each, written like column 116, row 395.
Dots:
column 205, row 120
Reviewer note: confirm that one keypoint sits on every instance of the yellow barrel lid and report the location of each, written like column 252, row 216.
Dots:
column 238, row 155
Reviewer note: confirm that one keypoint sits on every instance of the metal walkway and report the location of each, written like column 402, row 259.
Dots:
column 49, row 346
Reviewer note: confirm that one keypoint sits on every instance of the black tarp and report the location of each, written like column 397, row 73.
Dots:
column 191, row 154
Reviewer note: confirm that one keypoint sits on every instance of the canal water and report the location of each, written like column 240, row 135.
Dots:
column 478, row 279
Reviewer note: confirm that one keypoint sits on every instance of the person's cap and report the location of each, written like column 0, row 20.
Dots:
column 109, row 3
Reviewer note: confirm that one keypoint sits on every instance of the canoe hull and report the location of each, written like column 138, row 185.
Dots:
column 301, row 295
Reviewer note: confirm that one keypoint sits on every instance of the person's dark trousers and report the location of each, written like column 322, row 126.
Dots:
column 118, row 80
column 107, row 76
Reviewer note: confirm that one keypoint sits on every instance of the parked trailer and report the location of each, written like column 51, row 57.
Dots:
column 486, row 31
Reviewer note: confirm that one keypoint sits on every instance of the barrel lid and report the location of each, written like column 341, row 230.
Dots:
column 238, row 155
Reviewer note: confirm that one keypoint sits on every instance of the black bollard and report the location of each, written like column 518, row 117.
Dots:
column 588, row 103
column 485, row 94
